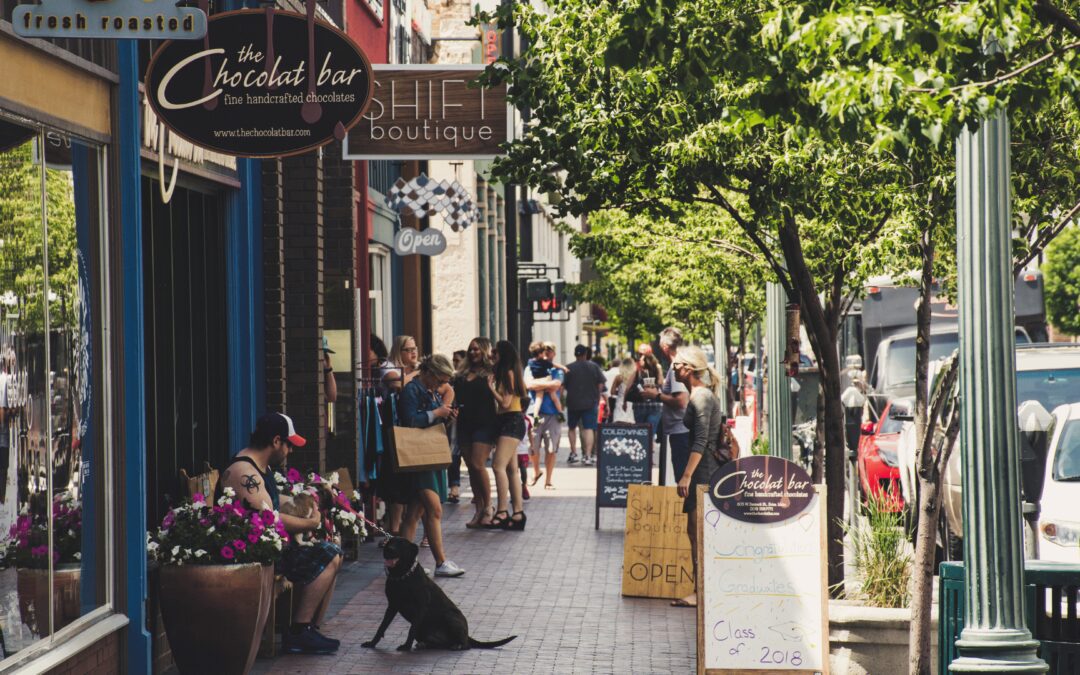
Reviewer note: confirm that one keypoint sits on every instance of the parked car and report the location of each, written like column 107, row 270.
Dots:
column 1048, row 373
column 1059, row 518
column 877, row 461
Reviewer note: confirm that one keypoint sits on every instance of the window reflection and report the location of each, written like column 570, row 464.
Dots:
column 50, row 479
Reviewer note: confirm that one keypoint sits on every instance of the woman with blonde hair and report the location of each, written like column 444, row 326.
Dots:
column 476, row 430
column 705, row 420
column 402, row 363
column 622, row 412
column 421, row 406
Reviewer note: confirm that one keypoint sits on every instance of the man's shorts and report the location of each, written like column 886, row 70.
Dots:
column 551, row 425
column 586, row 419
column 303, row 564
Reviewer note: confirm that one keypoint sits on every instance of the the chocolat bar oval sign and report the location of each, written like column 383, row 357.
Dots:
column 262, row 83
column 761, row 489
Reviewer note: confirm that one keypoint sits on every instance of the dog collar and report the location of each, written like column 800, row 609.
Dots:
column 415, row 566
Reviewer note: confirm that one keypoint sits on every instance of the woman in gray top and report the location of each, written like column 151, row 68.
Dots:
column 704, row 419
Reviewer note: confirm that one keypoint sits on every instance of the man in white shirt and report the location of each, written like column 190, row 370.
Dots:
column 674, row 396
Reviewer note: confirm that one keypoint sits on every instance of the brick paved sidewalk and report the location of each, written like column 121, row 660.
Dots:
column 556, row 586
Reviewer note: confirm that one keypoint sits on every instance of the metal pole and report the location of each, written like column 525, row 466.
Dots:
column 994, row 638
column 779, row 392
column 720, row 356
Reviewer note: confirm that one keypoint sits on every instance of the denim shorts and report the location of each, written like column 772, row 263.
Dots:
column 586, row 419
column 467, row 436
column 303, row 564
column 511, row 425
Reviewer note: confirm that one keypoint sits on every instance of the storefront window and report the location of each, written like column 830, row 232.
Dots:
column 52, row 498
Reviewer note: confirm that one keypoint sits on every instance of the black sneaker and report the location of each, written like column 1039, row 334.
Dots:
column 572, row 459
column 336, row 643
column 308, row 641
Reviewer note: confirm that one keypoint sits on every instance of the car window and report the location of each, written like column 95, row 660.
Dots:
column 1067, row 455
column 900, row 366
column 890, row 425
column 1050, row 387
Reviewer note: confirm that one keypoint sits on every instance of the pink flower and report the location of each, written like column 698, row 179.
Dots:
column 253, row 538
column 168, row 521
column 227, row 553
column 293, row 476
column 197, row 497
column 238, row 545
column 268, row 517
column 280, row 529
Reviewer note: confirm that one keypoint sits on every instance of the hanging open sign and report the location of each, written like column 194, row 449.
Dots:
column 262, row 83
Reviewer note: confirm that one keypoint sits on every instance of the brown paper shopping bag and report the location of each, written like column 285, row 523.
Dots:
column 420, row 449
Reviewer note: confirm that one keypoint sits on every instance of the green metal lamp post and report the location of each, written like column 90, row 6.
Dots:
column 779, row 392
column 994, row 638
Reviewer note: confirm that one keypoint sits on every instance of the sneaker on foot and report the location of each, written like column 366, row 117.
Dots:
column 307, row 641
column 448, row 569
column 572, row 459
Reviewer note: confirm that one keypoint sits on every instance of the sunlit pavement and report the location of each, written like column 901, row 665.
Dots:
column 556, row 586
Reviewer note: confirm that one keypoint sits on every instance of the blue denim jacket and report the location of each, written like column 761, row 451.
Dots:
column 417, row 404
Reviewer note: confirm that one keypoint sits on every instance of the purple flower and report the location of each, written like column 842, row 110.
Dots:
column 205, row 522
column 239, row 545
column 39, row 551
column 267, row 517
column 253, row 538
column 198, row 497
column 168, row 521
column 227, row 553
column 293, row 476
column 280, row 529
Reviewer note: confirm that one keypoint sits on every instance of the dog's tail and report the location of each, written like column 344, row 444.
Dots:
column 480, row 644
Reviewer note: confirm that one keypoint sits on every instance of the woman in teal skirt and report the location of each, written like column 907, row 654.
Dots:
column 421, row 406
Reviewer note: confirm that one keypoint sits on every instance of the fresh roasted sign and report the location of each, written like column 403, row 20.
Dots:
column 431, row 112
column 138, row 19
column 264, row 83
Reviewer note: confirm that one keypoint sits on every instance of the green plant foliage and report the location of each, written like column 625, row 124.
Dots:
column 1062, row 274
column 882, row 558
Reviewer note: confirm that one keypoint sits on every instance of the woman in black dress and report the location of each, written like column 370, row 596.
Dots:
column 476, row 425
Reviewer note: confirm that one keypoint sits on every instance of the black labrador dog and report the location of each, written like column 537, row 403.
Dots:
column 435, row 622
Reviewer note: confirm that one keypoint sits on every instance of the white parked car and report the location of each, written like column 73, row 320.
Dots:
column 1047, row 373
column 1059, row 520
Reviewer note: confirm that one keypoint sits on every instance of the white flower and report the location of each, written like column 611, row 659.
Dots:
column 277, row 543
column 210, row 530
column 297, row 489
column 175, row 551
column 151, row 546
column 78, row 556
column 187, row 552
column 200, row 553
column 333, row 479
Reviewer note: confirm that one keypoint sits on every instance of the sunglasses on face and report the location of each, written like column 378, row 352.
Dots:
column 409, row 349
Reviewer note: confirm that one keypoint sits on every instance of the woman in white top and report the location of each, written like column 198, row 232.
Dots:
column 403, row 363
column 622, row 411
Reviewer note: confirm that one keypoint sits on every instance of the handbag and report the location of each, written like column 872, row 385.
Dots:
column 727, row 446
column 418, row 449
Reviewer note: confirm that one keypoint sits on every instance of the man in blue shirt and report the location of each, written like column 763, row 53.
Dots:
column 547, row 417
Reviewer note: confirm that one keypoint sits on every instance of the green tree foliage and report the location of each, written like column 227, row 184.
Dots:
column 1062, row 274
column 21, row 269
column 685, row 270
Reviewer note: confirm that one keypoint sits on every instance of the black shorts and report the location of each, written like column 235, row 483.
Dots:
column 511, row 425
column 302, row 564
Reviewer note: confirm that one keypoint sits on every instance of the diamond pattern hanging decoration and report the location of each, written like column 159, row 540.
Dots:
column 424, row 196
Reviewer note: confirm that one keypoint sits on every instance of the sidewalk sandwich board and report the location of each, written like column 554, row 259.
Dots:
column 656, row 550
column 623, row 457
column 762, row 600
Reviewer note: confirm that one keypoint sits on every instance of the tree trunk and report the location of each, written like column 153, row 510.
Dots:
column 822, row 326
column 929, row 480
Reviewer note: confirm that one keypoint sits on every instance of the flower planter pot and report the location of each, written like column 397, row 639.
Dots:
column 33, row 589
column 872, row 640
column 214, row 614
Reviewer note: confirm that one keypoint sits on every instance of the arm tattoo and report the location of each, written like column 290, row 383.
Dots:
column 251, row 484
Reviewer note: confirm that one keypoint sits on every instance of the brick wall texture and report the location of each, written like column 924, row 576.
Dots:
column 102, row 658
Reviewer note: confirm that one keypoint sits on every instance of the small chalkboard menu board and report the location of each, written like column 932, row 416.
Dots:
column 623, row 458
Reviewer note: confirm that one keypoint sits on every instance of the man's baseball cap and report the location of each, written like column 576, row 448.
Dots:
column 279, row 424
column 581, row 350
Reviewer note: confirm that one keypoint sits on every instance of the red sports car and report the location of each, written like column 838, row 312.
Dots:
column 879, row 475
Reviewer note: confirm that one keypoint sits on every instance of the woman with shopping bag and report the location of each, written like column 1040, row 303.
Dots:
column 421, row 407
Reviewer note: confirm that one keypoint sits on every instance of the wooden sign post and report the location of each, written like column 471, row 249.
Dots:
column 657, row 559
column 623, row 457
column 762, row 600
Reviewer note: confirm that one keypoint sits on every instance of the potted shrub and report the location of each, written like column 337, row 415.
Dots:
column 28, row 551
column 216, row 580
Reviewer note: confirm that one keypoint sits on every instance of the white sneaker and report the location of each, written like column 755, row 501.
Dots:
column 448, row 569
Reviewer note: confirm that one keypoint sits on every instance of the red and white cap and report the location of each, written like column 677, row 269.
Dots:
column 280, row 424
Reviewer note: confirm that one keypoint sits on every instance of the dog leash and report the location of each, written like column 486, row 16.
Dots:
column 376, row 527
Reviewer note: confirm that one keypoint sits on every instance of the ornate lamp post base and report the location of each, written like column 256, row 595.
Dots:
column 997, row 651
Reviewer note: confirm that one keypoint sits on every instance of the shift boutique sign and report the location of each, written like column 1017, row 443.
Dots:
column 431, row 112
column 264, row 83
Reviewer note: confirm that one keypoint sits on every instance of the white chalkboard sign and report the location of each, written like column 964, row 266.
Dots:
column 762, row 591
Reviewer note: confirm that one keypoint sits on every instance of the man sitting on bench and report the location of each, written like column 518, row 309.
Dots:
column 311, row 568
